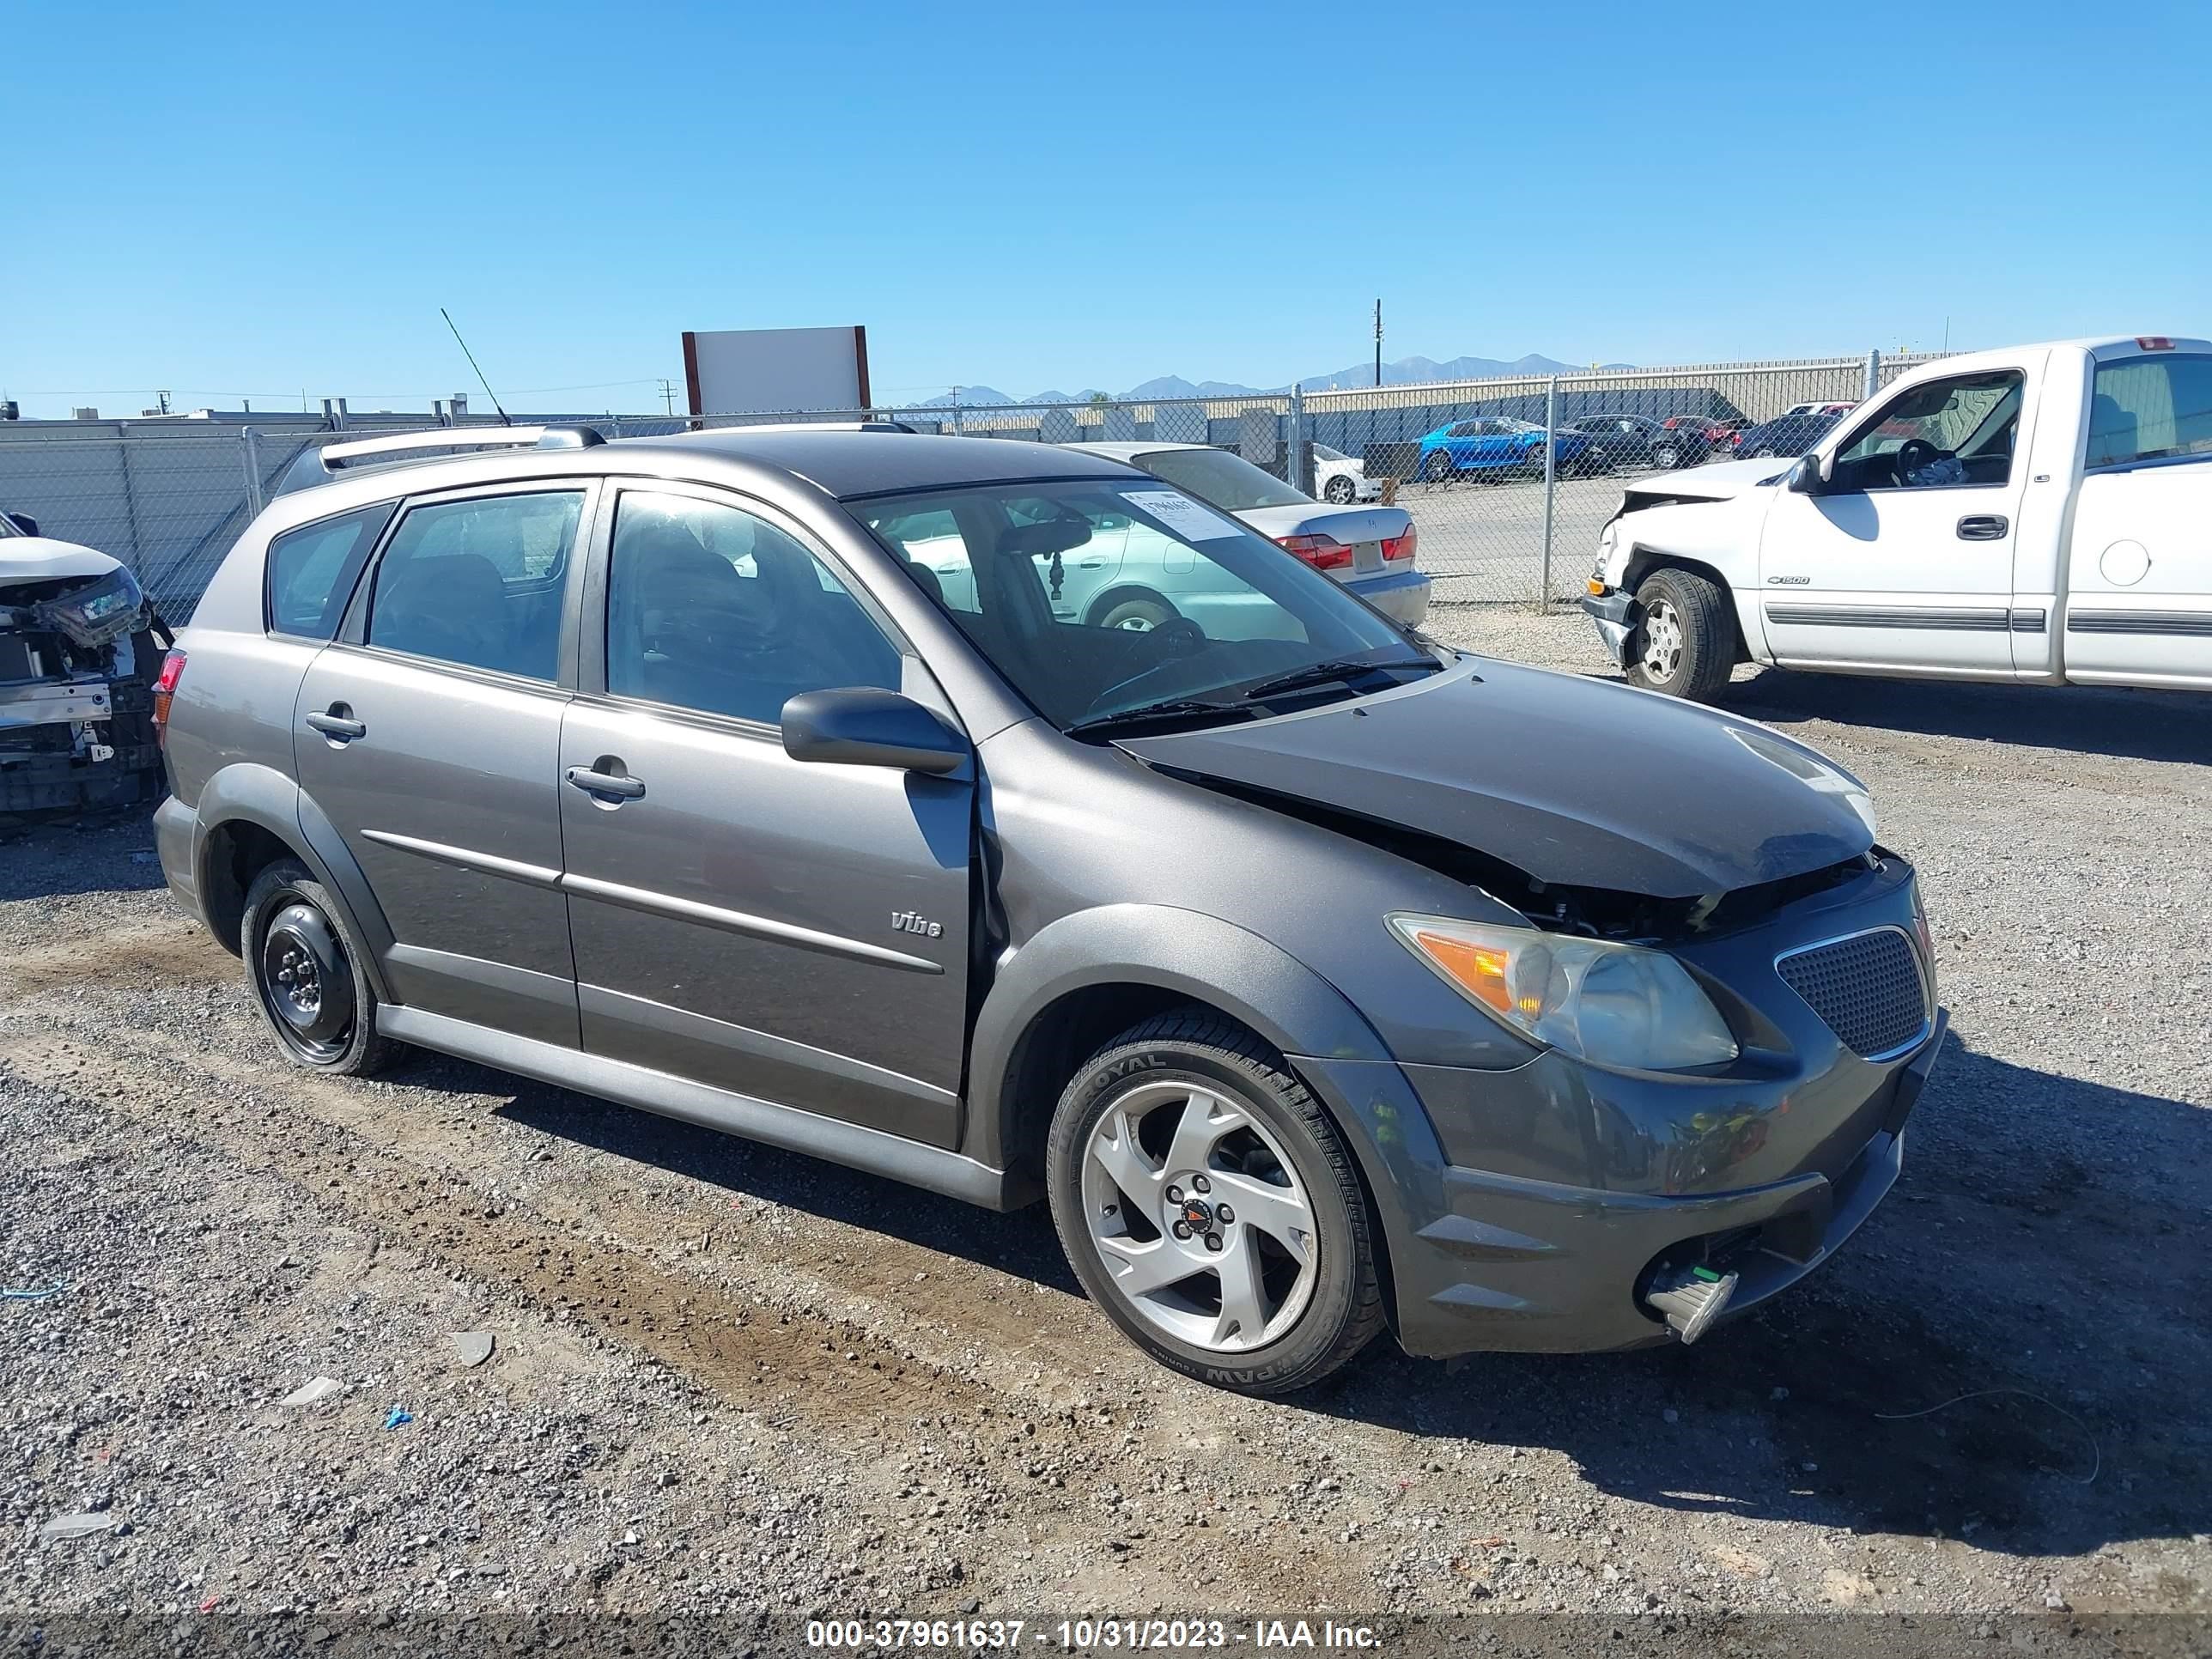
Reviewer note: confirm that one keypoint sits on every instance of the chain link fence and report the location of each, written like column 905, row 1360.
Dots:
column 1503, row 515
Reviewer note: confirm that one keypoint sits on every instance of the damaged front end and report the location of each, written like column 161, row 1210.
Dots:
column 78, row 654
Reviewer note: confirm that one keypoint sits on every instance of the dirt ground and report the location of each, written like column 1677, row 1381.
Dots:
column 730, row 1378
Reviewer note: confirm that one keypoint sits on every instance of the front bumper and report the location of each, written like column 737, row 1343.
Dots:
column 1613, row 615
column 1493, row 1263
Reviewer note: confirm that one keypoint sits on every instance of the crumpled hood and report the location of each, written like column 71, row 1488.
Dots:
column 1574, row 781
column 1719, row 481
column 41, row 558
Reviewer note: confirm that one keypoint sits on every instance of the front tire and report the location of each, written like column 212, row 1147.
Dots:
column 306, row 975
column 1259, row 1274
column 1684, row 643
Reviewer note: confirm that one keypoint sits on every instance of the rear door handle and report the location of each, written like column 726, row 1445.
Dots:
column 338, row 728
column 1982, row 527
column 605, row 783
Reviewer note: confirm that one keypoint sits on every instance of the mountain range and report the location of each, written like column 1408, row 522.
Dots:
column 1406, row 371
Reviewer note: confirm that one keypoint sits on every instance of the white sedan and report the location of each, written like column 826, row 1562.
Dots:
column 1342, row 478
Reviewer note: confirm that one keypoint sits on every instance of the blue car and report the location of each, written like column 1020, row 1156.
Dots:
column 1493, row 444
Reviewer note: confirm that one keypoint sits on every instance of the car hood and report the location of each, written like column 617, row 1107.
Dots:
column 1571, row 781
column 1349, row 524
column 1717, row 481
column 41, row 558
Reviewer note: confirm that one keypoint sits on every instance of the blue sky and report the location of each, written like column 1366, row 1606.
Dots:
column 231, row 201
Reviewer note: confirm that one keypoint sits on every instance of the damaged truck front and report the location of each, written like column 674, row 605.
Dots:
column 80, row 653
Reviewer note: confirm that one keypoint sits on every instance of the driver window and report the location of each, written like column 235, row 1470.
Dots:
column 710, row 608
column 1947, row 433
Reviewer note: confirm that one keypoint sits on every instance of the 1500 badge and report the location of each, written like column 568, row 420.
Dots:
column 1789, row 581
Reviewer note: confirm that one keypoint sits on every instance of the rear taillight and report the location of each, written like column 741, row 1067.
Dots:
column 1671, row 421
column 164, row 690
column 1400, row 547
column 1321, row 552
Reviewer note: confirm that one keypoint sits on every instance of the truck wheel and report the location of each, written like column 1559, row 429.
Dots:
column 1209, row 1205
column 306, row 975
column 1684, row 643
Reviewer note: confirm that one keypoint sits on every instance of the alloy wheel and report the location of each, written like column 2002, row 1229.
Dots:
column 1198, row 1216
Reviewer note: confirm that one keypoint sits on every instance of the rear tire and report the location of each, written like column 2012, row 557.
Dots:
column 1438, row 468
column 1193, row 1103
column 1665, row 457
column 1684, row 643
column 1339, row 490
column 307, row 977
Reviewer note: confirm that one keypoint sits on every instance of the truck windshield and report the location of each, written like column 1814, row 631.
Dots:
column 2150, row 408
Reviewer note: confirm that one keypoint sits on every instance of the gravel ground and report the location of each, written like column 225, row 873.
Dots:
column 725, row 1377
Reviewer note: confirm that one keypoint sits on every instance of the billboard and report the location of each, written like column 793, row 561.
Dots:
column 776, row 371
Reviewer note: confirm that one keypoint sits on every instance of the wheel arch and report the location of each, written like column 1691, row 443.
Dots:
column 1643, row 562
column 250, row 815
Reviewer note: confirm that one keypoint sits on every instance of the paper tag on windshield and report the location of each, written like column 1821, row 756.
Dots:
column 1189, row 519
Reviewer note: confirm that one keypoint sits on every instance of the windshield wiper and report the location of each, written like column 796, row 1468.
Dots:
column 1323, row 673
column 1167, row 709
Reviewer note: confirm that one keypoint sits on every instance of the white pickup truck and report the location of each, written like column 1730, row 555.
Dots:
column 2041, row 514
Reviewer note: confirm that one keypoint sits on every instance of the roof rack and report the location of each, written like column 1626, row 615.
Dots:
column 450, row 437
column 319, row 465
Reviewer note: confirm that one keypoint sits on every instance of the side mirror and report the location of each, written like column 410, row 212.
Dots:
column 1804, row 478
column 860, row 725
column 24, row 523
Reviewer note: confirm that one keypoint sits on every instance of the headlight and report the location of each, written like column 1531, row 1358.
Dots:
column 1617, row 1004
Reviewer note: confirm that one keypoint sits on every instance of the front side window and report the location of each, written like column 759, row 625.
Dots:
column 713, row 608
column 312, row 571
column 1097, row 599
column 1229, row 481
column 1945, row 433
column 478, row 582
column 2150, row 408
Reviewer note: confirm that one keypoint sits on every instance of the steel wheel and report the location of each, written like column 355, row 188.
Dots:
column 320, row 1007
column 1199, row 1217
column 1662, row 639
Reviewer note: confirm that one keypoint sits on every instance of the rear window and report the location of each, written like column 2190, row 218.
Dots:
column 1227, row 481
column 2150, row 408
column 312, row 571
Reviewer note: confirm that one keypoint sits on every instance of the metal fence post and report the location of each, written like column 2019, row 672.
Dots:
column 249, row 450
column 1874, row 373
column 1551, row 480
column 1294, row 470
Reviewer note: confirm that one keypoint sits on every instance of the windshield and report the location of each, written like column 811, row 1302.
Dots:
column 1098, row 597
column 1329, row 454
column 1229, row 481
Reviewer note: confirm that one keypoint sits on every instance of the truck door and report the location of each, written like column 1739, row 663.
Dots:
column 2139, row 562
column 1903, row 560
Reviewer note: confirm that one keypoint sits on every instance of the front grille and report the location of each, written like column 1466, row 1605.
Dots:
column 1868, row 989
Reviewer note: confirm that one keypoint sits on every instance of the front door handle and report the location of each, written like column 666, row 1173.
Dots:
column 339, row 728
column 612, row 784
column 1982, row 527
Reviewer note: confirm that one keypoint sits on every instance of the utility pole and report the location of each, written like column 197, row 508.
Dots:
column 1379, row 343
column 668, row 396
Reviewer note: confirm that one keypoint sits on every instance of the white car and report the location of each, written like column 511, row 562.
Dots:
column 2032, row 514
column 1371, row 549
column 1342, row 478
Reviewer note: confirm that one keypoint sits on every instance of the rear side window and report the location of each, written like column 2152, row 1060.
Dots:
column 478, row 582
column 312, row 571
column 2150, row 408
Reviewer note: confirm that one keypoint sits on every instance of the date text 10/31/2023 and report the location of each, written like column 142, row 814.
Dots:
column 1090, row 1635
